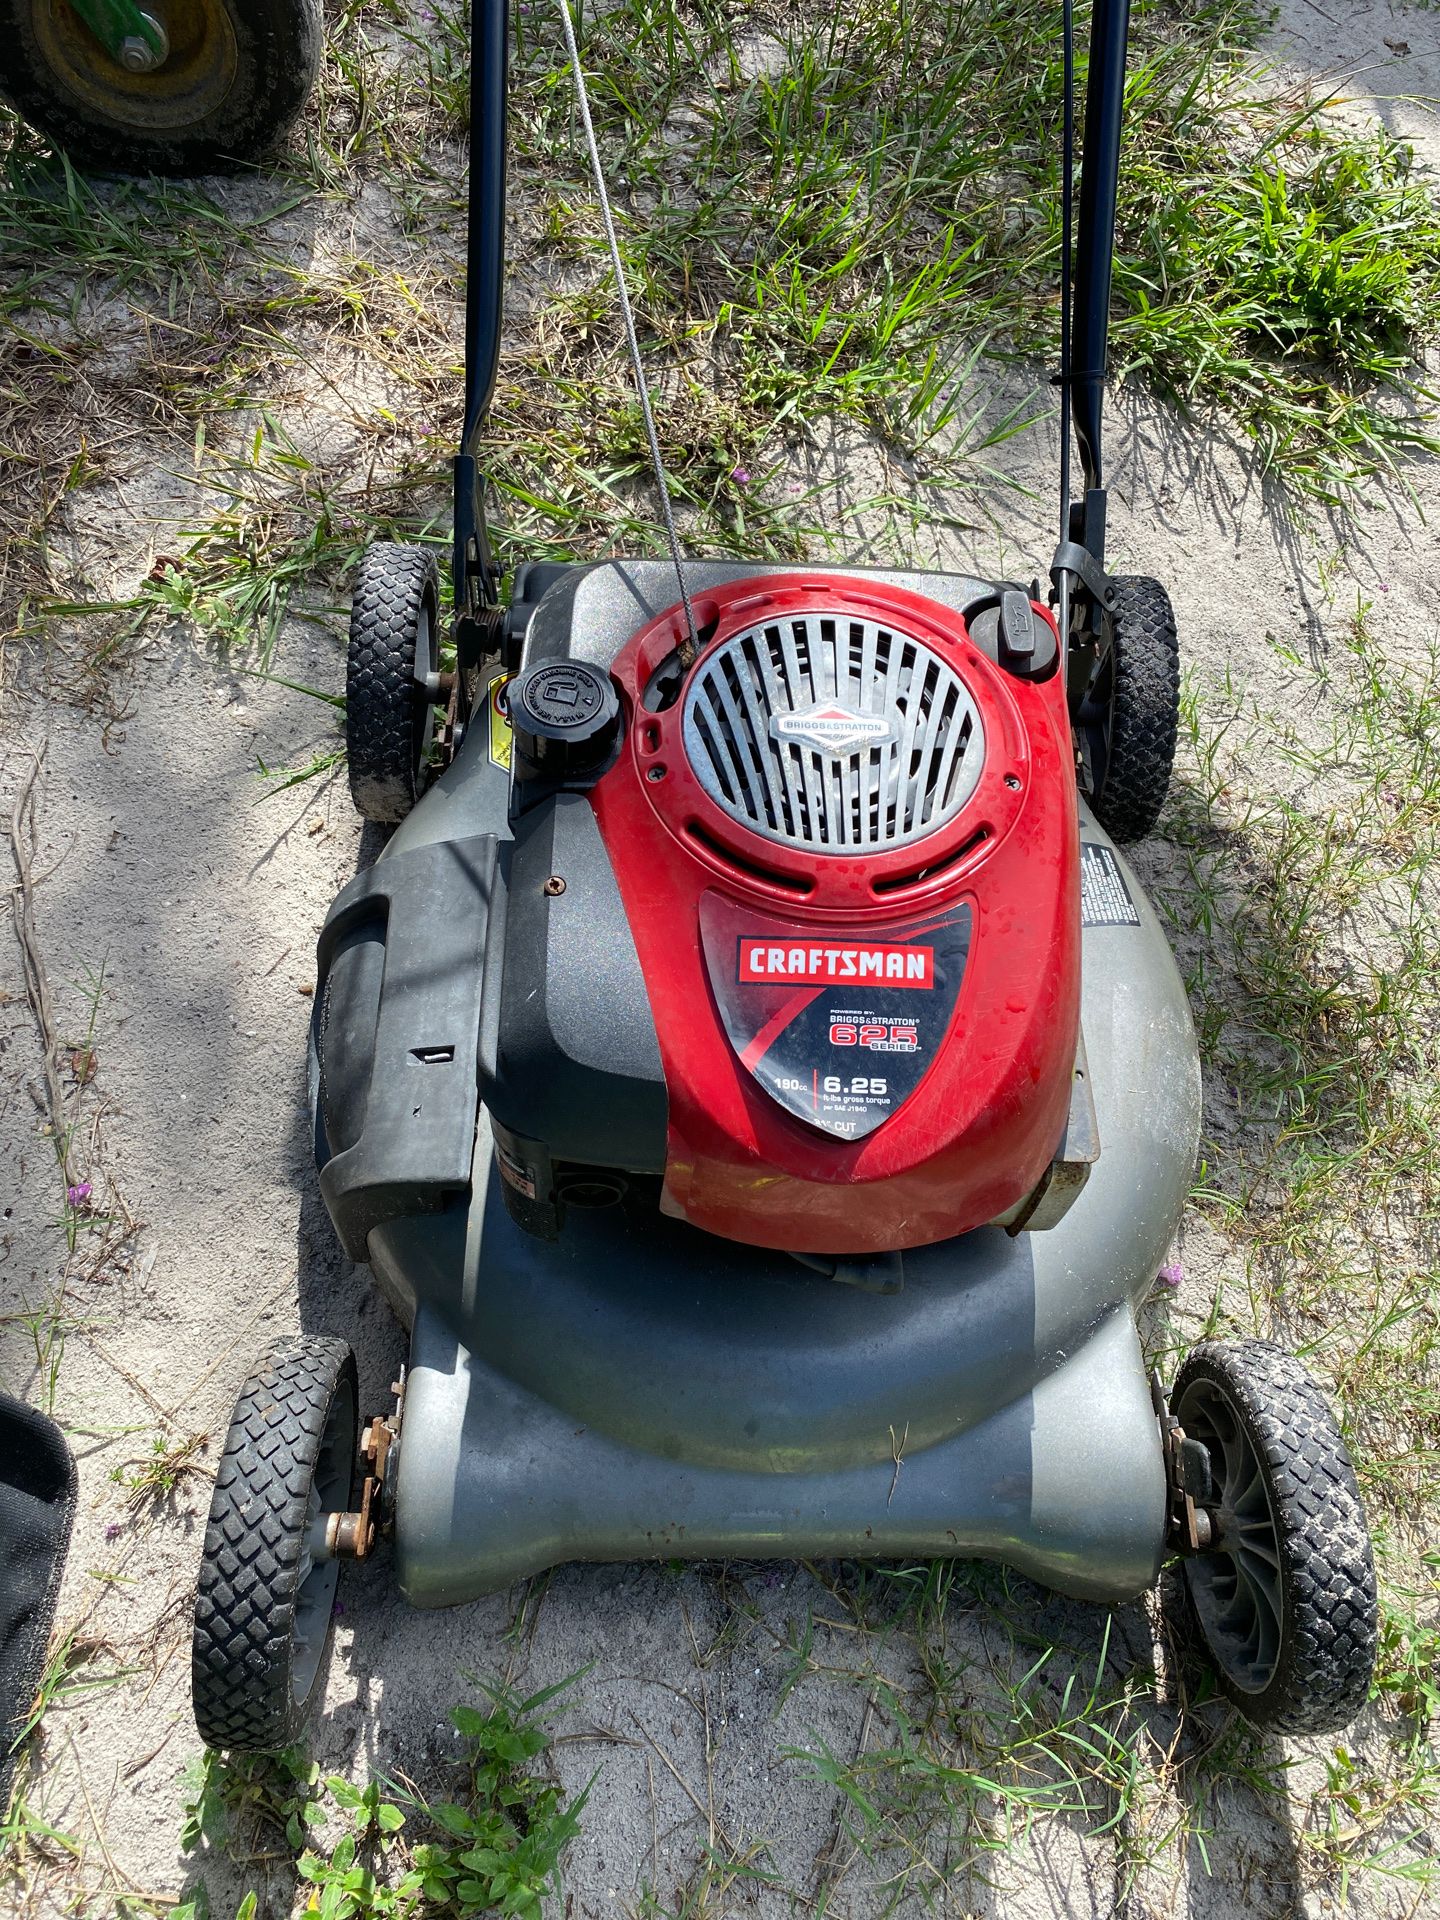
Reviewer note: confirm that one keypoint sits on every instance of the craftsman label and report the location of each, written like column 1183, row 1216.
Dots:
column 839, row 1030
column 815, row 966
column 1104, row 897
column 499, row 718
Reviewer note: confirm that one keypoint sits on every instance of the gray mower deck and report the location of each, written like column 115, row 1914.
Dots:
column 640, row 1391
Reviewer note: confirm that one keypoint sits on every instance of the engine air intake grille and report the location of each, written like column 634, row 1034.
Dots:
column 833, row 732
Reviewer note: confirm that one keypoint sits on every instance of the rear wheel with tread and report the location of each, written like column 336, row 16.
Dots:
column 391, row 678
column 264, row 1599
column 1285, row 1602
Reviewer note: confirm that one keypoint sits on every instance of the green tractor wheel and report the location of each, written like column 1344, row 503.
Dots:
column 160, row 86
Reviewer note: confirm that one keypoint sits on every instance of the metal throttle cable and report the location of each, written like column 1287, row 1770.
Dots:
column 691, row 646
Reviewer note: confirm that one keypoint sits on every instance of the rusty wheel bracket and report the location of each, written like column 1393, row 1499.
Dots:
column 352, row 1536
column 1189, row 1522
column 378, row 1449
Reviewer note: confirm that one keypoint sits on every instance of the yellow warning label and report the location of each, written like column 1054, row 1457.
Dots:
column 499, row 722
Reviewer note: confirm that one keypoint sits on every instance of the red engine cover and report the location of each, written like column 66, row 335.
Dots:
column 868, row 1049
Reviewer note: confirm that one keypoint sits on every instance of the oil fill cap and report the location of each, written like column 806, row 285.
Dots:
column 1017, row 625
column 566, row 718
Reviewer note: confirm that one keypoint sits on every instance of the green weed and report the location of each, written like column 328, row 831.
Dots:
column 387, row 1852
column 169, row 1462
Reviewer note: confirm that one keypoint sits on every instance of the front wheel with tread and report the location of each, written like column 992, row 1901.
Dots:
column 235, row 77
column 1286, row 1601
column 1127, row 713
column 263, row 1602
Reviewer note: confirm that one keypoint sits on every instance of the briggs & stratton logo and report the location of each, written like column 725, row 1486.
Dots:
column 831, row 728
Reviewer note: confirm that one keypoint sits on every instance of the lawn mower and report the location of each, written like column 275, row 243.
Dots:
column 160, row 86
column 758, row 1081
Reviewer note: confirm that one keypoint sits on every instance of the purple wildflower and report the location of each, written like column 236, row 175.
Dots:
column 741, row 476
column 78, row 1194
column 114, row 1530
column 1172, row 1275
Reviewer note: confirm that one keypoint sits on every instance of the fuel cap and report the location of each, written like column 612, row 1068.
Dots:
column 566, row 718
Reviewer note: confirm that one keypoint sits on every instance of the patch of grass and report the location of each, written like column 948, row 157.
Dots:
column 151, row 1478
column 1007, row 1712
column 280, row 530
column 831, row 222
column 1293, row 295
column 1304, row 837
column 1318, row 1000
column 506, row 1833
column 46, row 1328
column 71, row 1672
column 68, row 239
column 1004, row 1728
column 29, row 1845
column 92, row 275
column 723, row 1877
column 389, row 1852
column 1408, row 1667
column 835, row 226
column 249, row 1800
column 32, row 1848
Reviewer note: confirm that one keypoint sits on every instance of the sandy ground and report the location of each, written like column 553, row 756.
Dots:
column 156, row 865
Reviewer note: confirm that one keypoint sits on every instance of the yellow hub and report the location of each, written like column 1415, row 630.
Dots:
column 190, row 84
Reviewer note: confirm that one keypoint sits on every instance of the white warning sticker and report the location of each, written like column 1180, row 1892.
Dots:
column 1104, row 897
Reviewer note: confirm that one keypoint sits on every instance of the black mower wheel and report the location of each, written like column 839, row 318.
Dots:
column 1128, row 710
column 1285, row 1602
column 264, row 1602
column 390, row 679
column 230, row 78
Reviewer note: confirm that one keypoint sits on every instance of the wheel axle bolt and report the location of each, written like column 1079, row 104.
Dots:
column 143, row 53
